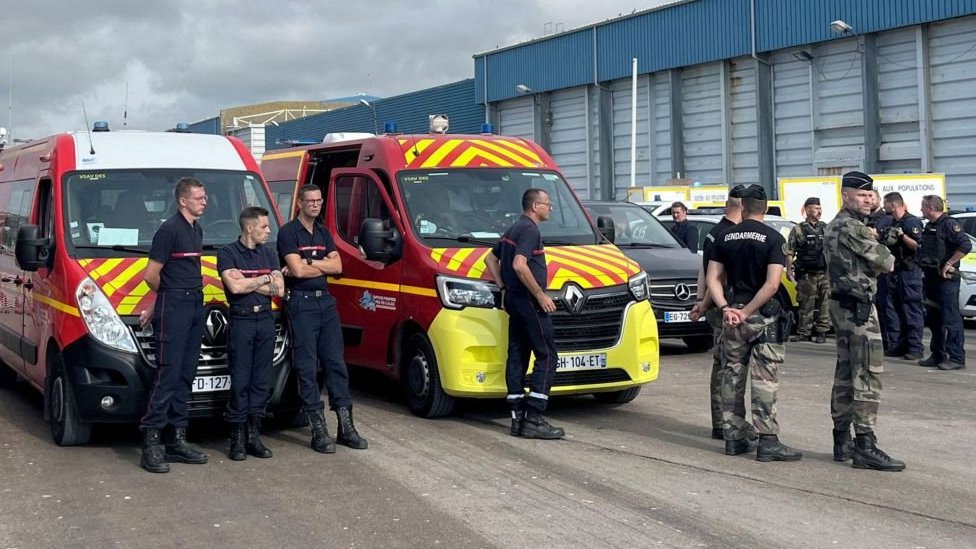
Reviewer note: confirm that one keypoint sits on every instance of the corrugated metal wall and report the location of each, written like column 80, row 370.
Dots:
column 410, row 112
column 838, row 107
column 701, row 108
column 900, row 149
column 743, row 150
column 953, row 96
column 621, row 97
column 569, row 136
column 660, row 128
column 517, row 117
column 792, row 119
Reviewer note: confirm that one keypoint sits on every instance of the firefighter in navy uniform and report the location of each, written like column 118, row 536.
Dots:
column 807, row 267
column 904, row 314
column 943, row 244
column 250, row 273
column 174, row 274
column 309, row 254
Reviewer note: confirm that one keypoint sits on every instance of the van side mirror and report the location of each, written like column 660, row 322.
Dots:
column 604, row 223
column 380, row 241
column 32, row 252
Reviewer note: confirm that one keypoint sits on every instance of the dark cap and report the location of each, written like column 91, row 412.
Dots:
column 812, row 201
column 736, row 192
column 755, row 192
column 857, row 180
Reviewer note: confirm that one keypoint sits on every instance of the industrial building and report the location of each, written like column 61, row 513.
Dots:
column 728, row 91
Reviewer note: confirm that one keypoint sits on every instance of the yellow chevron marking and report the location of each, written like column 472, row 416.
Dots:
column 105, row 268
column 581, row 268
column 562, row 273
column 520, row 149
column 415, row 149
column 125, row 276
column 472, row 153
column 458, row 259
column 516, row 159
column 479, row 267
column 609, row 255
column 435, row 159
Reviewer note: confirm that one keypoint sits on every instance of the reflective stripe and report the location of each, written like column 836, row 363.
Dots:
column 180, row 255
column 539, row 396
column 515, row 397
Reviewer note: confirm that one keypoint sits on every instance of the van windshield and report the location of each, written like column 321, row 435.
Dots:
column 472, row 206
column 115, row 213
column 634, row 226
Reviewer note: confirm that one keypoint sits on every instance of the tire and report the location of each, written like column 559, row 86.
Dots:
column 422, row 381
column 698, row 343
column 618, row 397
column 67, row 429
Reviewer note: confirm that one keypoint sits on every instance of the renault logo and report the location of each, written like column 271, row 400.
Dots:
column 215, row 329
column 682, row 292
column 573, row 299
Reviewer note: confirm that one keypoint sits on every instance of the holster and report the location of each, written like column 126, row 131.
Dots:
column 778, row 331
column 860, row 307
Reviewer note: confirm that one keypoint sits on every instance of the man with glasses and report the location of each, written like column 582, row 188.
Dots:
column 517, row 264
column 173, row 273
column 309, row 255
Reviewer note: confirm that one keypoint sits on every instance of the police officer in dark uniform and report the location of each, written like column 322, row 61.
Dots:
column 880, row 220
column 943, row 244
column 685, row 231
column 744, row 281
column 250, row 273
column 309, row 254
column 174, row 274
column 904, row 314
column 517, row 264
column 809, row 271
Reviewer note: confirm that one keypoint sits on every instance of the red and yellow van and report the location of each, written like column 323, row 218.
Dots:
column 413, row 217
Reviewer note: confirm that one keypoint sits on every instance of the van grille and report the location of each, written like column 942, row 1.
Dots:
column 596, row 326
column 665, row 292
column 590, row 377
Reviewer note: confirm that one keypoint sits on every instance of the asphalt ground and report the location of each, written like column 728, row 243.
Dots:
column 641, row 474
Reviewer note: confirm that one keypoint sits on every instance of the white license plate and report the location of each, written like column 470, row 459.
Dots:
column 582, row 362
column 679, row 316
column 209, row 384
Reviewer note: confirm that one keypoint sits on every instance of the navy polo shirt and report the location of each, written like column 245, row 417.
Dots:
column 178, row 246
column 523, row 238
column 294, row 238
column 258, row 262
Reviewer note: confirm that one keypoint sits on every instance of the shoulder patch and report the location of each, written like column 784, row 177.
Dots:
column 915, row 230
column 956, row 227
column 785, row 249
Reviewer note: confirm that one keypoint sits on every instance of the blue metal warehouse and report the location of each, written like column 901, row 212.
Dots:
column 728, row 91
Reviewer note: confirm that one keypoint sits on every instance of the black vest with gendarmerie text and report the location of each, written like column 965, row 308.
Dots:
column 810, row 256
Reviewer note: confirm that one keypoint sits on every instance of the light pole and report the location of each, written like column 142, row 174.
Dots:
column 376, row 127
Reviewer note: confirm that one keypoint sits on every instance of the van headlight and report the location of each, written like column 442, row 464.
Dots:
column 968, row 277
column 638, row 286
column 101, row 319
column 458, row 293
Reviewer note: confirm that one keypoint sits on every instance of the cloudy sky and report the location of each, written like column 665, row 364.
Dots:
column 184, row 60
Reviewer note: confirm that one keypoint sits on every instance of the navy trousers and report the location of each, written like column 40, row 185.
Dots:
column 944, row 318
column 317, row 339
column 250, row 347
column 178, row 326
column 529, row 331
column 904, row 316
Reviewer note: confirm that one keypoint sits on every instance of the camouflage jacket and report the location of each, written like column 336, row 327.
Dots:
column 854, row 256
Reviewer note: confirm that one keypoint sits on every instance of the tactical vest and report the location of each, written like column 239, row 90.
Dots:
column 932, row 247
column 904, row 256
column 810, row 252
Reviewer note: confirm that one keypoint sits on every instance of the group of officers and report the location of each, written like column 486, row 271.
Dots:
column 865, row 255
column 252, row 274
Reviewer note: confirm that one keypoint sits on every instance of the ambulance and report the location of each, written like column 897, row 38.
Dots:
column 413, row 217
column 77, row 216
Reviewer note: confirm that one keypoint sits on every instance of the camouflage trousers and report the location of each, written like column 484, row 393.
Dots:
column 813, row 294
column 714, row 318
column 747, row 353
column 857, row 381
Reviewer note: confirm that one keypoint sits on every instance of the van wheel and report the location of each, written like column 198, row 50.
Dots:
column 67, row 429
column 618, row 397
column 698, row 343
column 422, row 380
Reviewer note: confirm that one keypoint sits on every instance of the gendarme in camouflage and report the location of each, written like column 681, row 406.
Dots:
column 854, row 256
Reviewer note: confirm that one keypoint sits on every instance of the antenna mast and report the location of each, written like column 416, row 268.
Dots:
column 125, row 105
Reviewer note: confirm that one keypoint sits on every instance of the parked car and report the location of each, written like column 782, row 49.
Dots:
column 671, row 269
column 967, row 283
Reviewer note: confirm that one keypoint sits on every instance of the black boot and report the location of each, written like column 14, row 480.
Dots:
column 843, row 445
column 346, row 433
column 741, row 446
column 153, row 459
column 518, row 418
column 867, row 455
column 321, row 441
column 236, row 451
column 536, row 426
column 771, row 449
column 254, row 445
column 178, row 450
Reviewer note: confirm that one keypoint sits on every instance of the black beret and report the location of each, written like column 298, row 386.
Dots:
column 755, row 192
column 736, row 192
column 857, row 180
column 812, row 201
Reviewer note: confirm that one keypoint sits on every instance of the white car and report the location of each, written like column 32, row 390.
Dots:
column 967, row 283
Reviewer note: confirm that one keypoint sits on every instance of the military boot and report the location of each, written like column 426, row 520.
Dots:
column 236, row 451
column 254, row 445
column 771, row 449
column 843, row 445
column 741, row 446
column 518, row 418
column 536, row 426
column 346, row 433
column 930, row 362
column 867, row 455
column 153, row 459
column 321, row 441
column 819, row 337
column 177, row 449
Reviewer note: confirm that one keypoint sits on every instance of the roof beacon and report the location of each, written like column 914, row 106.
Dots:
column 100, row 126
column 487, row 129
column 389, row 127
column 439, row 123
column 182, row 127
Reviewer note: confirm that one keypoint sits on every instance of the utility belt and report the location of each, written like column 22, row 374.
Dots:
column 778, row 331
column 307, row 293
column 249, row 310
column 860, row 307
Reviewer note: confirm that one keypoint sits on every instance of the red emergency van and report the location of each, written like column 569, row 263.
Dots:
column 413, row 217
column 77, row 215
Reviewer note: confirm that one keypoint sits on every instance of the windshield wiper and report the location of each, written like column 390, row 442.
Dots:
column 465, row 238
column 548, row 242
column 115, row 247
column 643, row 245
column 212, row 246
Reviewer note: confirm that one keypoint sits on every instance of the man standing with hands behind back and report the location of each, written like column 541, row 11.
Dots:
column 517, row 264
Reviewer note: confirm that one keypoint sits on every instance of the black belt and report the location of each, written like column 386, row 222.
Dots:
column 249, row 310
column 312, row 293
